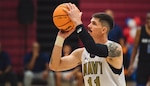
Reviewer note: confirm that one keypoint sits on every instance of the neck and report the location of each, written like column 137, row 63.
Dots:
column 101, row 40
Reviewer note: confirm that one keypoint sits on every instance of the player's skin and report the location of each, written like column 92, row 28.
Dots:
column 98, row 33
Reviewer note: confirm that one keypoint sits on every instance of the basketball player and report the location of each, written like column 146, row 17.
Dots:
column 142, row 41
column 101, row 59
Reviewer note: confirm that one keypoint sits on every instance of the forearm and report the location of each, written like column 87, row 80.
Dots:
column 30, row 65
column 8, row 69
column 99, row 50
column 134, row 52
column 56, row 53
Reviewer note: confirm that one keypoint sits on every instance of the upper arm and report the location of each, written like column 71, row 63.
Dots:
column 136, row 44
column 137, row 38
column 115, row 55
column 114, row 49
column 71, row 61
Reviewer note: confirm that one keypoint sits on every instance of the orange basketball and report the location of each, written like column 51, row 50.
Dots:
column 61, row 18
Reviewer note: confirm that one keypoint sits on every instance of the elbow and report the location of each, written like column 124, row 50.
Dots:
column 53, row 68
column 90, row 50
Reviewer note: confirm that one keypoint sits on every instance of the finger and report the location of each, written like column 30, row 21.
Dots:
column 66, row 10
column 69, row 5
column 74, row 6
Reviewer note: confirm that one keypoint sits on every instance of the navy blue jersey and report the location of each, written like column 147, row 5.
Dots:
column 4, row 60
column 144, row 45
column 115, row 34
column 40, row 63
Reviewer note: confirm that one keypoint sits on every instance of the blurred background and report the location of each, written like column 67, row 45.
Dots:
column 23, row 22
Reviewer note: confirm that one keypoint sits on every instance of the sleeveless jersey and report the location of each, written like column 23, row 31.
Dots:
column 144, row 45
column 97, row 72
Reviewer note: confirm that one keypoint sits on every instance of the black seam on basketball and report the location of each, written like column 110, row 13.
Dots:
column 68, row 28
column 60, row 15
column 65, row 23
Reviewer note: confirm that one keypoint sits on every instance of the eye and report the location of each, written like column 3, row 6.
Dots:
column 94, row 23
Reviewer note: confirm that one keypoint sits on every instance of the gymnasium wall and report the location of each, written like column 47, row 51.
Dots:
column 123, row 9
column 17, row 40
column 14, row 37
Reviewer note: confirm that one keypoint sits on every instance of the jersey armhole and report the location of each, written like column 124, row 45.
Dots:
column 116, row 71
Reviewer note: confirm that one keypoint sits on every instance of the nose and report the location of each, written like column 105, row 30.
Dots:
column 89, row 25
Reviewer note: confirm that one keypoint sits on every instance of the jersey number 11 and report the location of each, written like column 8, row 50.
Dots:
column 96, row 81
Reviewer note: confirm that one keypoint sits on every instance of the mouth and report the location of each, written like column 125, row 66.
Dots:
column 89, row 30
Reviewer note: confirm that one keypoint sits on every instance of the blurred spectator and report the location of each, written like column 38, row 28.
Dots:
column 6, row 73
column 116, row 34
column 36, row 66
column 142, row 43
column 130, row 32
column 74, row 74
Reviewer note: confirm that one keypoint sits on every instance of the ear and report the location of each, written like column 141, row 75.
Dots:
column 104, row 30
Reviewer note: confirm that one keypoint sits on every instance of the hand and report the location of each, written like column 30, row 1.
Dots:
column 75, row 16
column 130, row 70
column 65, row 34
column 74, row 13
column 68, row 76
column 45, row 75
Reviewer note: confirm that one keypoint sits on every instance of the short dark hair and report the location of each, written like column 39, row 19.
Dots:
column 104, row 18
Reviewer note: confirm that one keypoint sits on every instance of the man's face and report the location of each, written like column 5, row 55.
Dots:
column 95, row 27
column 110, row 13
column 148, row 19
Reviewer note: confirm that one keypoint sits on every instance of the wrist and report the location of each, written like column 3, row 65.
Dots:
column 79, row 28
column 78, row 23
column 59, row 41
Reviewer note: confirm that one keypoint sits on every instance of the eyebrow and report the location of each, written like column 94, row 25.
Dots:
column 94, row 22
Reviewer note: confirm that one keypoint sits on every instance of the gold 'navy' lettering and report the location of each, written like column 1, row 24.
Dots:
column 92, row 67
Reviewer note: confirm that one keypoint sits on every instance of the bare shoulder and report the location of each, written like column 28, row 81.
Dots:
column 114, row 49
column 115, row 54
